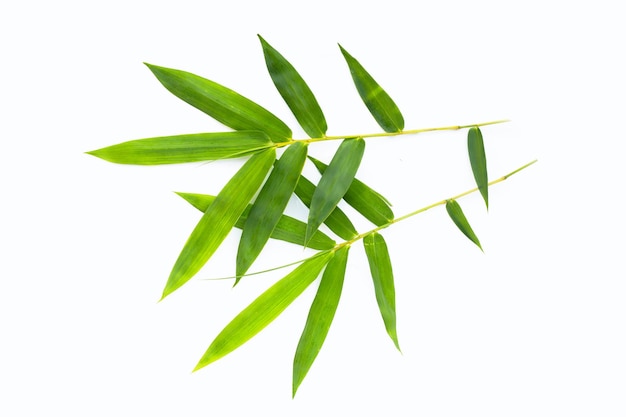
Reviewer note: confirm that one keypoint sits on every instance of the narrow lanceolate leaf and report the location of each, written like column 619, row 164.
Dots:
column 295, row 92
column 337, row 221
column 221, row 103
column 380, row 105
column 219, row 219
column 456, row 214
column 478, row 160
column 363, row 199
column 320, row 317
column 269, row 206
column 264, row 309
column 335, row 182
column 382, row 274
column 287, row 229
column 185, row 148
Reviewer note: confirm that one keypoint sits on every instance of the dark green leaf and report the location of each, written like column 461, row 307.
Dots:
column 219, row 219
column 269, row 205
column 264, row 309
column 221, row 103
column 335, row 182
column 185, row 148
column 336, row 221
column 456, row 214
column 380, row 105
column 382, row 275
column 478, row 160
column 320, row 317
column 287, row 229
column 295, row 92
column 363, row 199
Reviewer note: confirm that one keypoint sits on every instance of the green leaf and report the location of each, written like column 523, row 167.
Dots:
column 456, row 214
column 337, row 221
column 295, row 92
column 219, row 219
column 287, row 229
column 335, row 182
column 380, row 105
column 382, row 275
column 185, row 148
column 363, row 199
column 478, row 160
column 269, row 206
column 221, row 103
column 264, row 309
column 320, row 316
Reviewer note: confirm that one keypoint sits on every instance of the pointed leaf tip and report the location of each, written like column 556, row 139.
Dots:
column 219, row 219
column 180, row 149
column 295, row 91
column 320, row 316
column 335, row 182
column 269, row 206
column 221, row 103
column 382, row 276
column 478, row 161
column 458, row 217
column 264, row 309
column 379, row 103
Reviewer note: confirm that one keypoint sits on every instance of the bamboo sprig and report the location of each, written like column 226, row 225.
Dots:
column 256, row 197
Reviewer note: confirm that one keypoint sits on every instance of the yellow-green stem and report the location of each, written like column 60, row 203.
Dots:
column 386, row 134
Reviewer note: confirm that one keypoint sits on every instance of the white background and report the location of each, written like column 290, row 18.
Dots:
column 535, row 326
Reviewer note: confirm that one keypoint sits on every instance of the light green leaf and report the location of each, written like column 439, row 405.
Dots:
column 287, row 229
column 380, row 105
column 219, row 219
column 382, row 275
column 337, row 221
column 456, row 214
column 264, row 309
column 185, row 148
column 269, row 206
column 295, row 92
column 320, row 316
column 221, row 103
column 335, row 182
column 478, row 160
column 363, row 199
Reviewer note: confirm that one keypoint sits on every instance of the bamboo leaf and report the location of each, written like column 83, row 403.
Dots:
column 264, row 309
column 380, row 105
column 269, row 206
column 185, row 148
column 320, row 316
column 335, row 182
column 478, row 161
column 219, row 219
column 456, row 214
column 287, row 229
column 371, row 204
column 221, row 103
column 295, row 92
column 337, row 221
column 382, row 275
